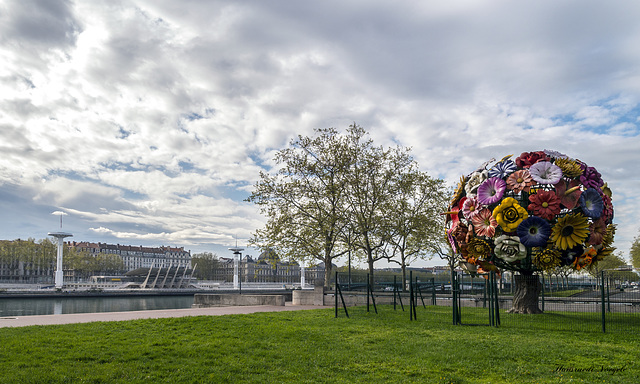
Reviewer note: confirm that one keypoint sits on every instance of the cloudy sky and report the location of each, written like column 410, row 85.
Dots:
column 147, row 122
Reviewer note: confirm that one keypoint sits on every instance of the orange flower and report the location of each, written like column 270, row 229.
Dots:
column 520, row 181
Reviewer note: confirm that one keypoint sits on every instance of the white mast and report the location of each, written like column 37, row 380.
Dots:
column 59, row 275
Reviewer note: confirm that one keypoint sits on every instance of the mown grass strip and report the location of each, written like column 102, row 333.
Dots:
column 314, row 347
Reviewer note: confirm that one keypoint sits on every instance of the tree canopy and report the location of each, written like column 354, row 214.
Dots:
column 634, row 253
column 338, row 192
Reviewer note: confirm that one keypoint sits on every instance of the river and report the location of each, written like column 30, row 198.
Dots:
column 65, row 305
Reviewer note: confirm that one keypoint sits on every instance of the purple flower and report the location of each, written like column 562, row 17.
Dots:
column 591, row 203
column 503, row 169
column 545, row 172
column 591, row 178
column 491, row 190
column 534, row 231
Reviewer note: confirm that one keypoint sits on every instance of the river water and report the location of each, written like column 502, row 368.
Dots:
column 64, row 305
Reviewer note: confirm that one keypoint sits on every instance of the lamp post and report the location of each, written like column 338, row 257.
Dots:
column 237, row 273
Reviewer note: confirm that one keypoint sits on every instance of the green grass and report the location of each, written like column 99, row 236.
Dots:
column 314, row 347
column 565, row 293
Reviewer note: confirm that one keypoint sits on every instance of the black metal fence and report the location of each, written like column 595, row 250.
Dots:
column 607, row 302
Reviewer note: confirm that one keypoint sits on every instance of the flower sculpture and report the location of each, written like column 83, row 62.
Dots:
column 534, row 213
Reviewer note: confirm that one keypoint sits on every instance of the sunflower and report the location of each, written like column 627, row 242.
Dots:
column 570, row 168
column 604, row 252
column 459, row 192
column 571, row 230
column 608, row 237
column 546, row 259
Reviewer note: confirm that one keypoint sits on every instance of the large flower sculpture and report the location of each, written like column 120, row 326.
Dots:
column 537, row 212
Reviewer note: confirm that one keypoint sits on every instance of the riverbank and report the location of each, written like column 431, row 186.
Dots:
column 24, row 321
column 137, row 292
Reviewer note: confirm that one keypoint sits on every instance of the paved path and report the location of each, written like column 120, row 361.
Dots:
column 22, row 321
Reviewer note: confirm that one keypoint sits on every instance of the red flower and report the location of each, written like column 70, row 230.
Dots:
column 568, row 194
column 598, row 230
column 544, row 204
column 527, row 159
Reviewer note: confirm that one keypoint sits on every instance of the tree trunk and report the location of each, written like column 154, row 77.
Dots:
column 327, row 275
column 371, row 272
column 404, row 277
column 525, row 298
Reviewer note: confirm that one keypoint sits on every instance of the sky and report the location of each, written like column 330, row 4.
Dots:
column 148, row 122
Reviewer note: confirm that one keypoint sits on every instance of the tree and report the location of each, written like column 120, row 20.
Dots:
column 616, row 268
column 611, row 262
column 207, row 263
column 338, row 193
column 634, row 253
column 413, row 220
column 374, row 182
column 86, row 264
column 304, row 201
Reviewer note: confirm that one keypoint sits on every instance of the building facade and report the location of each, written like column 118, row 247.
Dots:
column 135, row 257
column 264, row 271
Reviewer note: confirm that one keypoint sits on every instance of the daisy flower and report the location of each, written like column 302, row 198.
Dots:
column 520, row 181
column 544, row 204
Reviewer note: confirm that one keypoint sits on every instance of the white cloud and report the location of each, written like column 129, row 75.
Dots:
column 150, row 120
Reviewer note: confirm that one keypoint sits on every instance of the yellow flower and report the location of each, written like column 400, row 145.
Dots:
column 509, row 214
column 608, row 237
column 570, row 168
column 459, row 192
column 570, row 231
column 546, row 259
column 479, row 249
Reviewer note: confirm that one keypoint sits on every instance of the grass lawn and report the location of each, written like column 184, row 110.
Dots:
column 314, row 347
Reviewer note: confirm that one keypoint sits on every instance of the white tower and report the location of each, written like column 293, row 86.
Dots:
column 59, row 276
column 237, row 252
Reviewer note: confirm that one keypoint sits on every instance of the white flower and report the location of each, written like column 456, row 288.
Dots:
column 509, row 248
column 476, row 178
column 544, row 172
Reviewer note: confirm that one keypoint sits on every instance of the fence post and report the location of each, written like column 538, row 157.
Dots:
column 411, row 295
column 489, row 283
column 419, row 293
column 394, row 292
column 608, row 294
column 335, row 294
column 484, row 294
column 543, row 287
column 454, row 298
column 433, row 291
column 602, row 301
column 339, row 292
column 497, row 302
